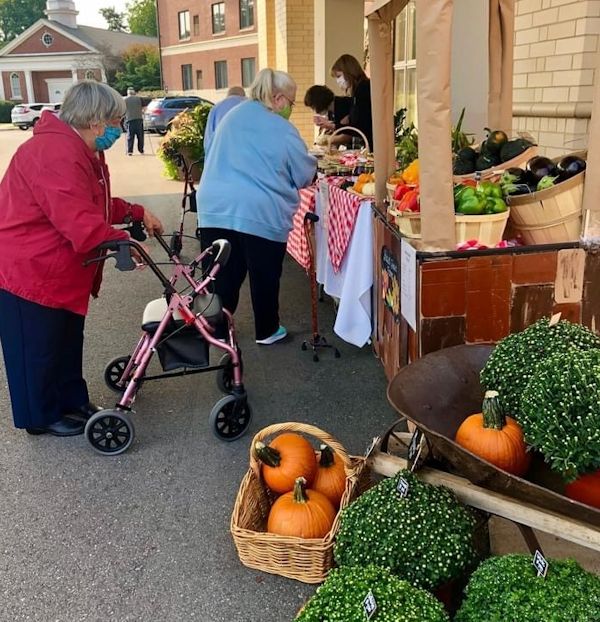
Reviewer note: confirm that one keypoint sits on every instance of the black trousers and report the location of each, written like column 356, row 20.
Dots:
column 135, row 128
column 262, row 260
column 43, row 352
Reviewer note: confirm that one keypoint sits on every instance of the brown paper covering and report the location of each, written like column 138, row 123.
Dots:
column 500, row 58
column 434, row 50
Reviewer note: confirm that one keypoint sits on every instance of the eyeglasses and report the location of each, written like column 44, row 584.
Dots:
column 292, row 103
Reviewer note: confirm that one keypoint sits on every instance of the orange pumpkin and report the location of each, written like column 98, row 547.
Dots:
column 330, row 478
column 286, row 458
column 301, row 513
column 586, row 489
column 494, row 437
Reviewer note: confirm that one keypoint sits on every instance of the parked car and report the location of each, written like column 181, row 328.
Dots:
column 25, row 116
column 160, row 112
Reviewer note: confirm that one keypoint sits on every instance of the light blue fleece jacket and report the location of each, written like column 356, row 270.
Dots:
column 256, row 165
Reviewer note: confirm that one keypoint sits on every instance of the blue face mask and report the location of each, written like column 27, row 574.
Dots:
column 108, row 139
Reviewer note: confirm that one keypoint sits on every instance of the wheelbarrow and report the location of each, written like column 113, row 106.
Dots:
column 437, row 393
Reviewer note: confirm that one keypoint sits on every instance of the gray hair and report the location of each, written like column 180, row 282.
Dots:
column 89, row 102
column 268, row 83
column 236, row 90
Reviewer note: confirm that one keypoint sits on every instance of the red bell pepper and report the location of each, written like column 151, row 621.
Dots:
column 400, row 191
column 410, row 202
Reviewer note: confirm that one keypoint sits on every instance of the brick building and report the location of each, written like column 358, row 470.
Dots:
column 556, row 56
column 207, row 46
column 44, row 61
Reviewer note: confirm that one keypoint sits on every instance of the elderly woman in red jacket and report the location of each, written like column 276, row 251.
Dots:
column 55, row 209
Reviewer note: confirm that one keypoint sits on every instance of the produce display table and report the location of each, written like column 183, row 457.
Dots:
column 476, row 296
column 344, row 254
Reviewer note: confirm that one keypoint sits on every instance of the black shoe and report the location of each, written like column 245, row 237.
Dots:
column 62, row 427
column 84, row 412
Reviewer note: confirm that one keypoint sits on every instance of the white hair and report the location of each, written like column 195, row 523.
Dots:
column 89, row 102
column 268, row 83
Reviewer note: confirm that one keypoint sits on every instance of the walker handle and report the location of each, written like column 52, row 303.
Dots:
column 222, row 250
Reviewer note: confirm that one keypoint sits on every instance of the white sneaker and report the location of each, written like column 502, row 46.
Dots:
column 278, row 335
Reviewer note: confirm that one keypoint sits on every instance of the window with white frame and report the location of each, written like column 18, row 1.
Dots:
column 47, row 39
column 405, row 62
column 218, row 18
column 184, row 24
column 221, row 74
column 248, row 71
column 15, row 86
column 246, row 13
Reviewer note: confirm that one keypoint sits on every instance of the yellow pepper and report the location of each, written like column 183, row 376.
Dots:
column 411, row 173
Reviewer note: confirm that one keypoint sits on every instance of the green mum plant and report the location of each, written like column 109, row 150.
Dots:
column 507, row 588
column 186, row 137
column 560, row 412
column 515, row 359
column 340, row 598
column 425, row 538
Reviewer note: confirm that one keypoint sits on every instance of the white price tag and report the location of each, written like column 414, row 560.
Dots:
column 541, row 564
column 555, row 319
column 370, row 605
column 402, row 488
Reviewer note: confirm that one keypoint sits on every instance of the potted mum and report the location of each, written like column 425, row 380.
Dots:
column 186, row 138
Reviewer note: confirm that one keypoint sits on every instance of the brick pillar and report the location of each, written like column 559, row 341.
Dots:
column 295, row 54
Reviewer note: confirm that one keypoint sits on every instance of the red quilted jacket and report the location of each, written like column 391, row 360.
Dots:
column 55, row 209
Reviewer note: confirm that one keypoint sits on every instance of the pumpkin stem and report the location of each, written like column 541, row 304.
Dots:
column 268, row 455
column 326, row 459
column 300, row 490
column 493, row 415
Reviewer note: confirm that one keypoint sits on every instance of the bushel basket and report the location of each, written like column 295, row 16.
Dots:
column 306, row 560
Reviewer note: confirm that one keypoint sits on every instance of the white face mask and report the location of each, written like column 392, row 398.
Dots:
column 341, row 82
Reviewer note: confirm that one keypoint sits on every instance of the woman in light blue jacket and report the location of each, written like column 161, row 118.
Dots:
column 248, row 195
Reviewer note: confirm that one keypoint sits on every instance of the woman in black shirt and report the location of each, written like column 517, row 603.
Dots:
column 351, row 78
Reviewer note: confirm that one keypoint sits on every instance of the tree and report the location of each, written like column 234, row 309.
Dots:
column 113, row 18
column 17, row 15
column 141, row 17
column 141, row 69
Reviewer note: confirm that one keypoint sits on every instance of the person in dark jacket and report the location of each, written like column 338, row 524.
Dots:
column 56, row 209
column 327, row 107
column 352, row 79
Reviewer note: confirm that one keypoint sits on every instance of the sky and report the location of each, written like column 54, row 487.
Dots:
column 88, row 11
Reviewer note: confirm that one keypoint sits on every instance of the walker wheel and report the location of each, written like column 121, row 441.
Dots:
column 110, row 432
column 225, row 375
column 113, row 373
column 304, row 346
column 230, row 417
column 198, row 233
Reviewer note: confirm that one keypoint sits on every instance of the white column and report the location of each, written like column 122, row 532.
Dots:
column 2, row 95
column 29, row 87
column 74, row 75
column 103, row 74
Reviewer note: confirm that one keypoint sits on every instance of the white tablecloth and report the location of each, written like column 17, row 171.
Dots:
column 352, row 284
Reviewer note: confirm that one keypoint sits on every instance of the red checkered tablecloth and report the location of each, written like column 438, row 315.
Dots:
column 297, row 246
column 342, row 211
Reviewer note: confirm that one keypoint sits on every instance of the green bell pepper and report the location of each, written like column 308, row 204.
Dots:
column 490, row 189
column 470, row 205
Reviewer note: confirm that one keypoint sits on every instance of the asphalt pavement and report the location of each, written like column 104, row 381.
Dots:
column 144, row 536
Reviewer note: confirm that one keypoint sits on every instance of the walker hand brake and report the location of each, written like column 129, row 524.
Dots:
column 121, row 253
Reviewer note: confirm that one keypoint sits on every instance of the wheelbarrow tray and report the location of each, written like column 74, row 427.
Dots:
column 437, row 393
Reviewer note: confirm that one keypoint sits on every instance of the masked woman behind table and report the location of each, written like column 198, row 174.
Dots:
column 352, row 79
column 56, row 209
column 249, row 193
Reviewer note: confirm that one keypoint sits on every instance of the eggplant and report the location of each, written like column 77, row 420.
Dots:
column 494, row 142
column 539, row 167
column 570, row 166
